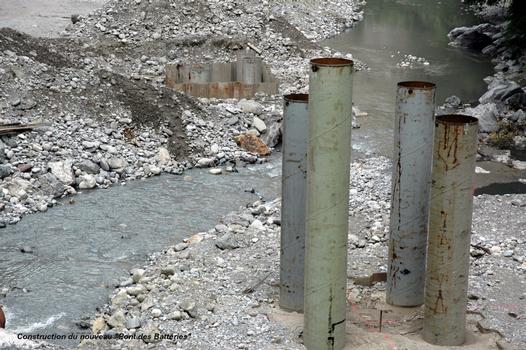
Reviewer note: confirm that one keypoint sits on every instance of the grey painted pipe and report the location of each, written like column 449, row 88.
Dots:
column 328, row 159
column 411, row 183
column 293, row 195
column 450, row 214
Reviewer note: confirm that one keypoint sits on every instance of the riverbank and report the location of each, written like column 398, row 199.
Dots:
column 501, row 110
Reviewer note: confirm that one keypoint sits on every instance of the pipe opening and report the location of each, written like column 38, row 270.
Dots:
column 331, row 62
column 456, row 119
column 417, row 85
column 297, row 98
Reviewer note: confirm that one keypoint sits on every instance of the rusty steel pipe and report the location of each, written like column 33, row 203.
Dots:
column 450, row 214
column 411, row 183
column 328, row 167
column 293, row 195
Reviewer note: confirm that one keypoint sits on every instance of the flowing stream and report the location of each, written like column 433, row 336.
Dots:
column 81, row 250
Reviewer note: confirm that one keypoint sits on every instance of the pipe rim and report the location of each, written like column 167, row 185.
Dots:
column 300, row 98
column 331, row 62
column 456, row 119
column 414, row 84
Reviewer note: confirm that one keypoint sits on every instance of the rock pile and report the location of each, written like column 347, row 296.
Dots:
column 501, row 108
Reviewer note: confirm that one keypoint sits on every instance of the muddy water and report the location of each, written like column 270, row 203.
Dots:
column 392, row 29
column 81, row 250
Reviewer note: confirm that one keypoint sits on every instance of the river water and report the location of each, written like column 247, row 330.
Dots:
column 392, row 29
column 82, row 250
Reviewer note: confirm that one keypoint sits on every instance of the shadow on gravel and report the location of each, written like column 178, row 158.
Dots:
column 502, row 188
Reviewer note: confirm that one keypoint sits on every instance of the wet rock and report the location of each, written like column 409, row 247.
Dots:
column 88, row 166
column 104, row 165
column 273, row 137
column 205, row 162
column 117, row 164
column 486, row 114
column 216, row 171
column 517, row 100
column 49, row 184
column 475, row 38
column 499, row 91
column 87, row 182
column 63, row 171
column 253, row 144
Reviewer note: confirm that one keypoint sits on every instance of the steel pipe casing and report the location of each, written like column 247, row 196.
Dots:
column 450, row 215
column 328, row 159
column 411, row 183
column 293, row 196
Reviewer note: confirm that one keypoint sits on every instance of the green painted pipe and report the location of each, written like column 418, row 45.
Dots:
column 328, row 168
column 450, row 213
